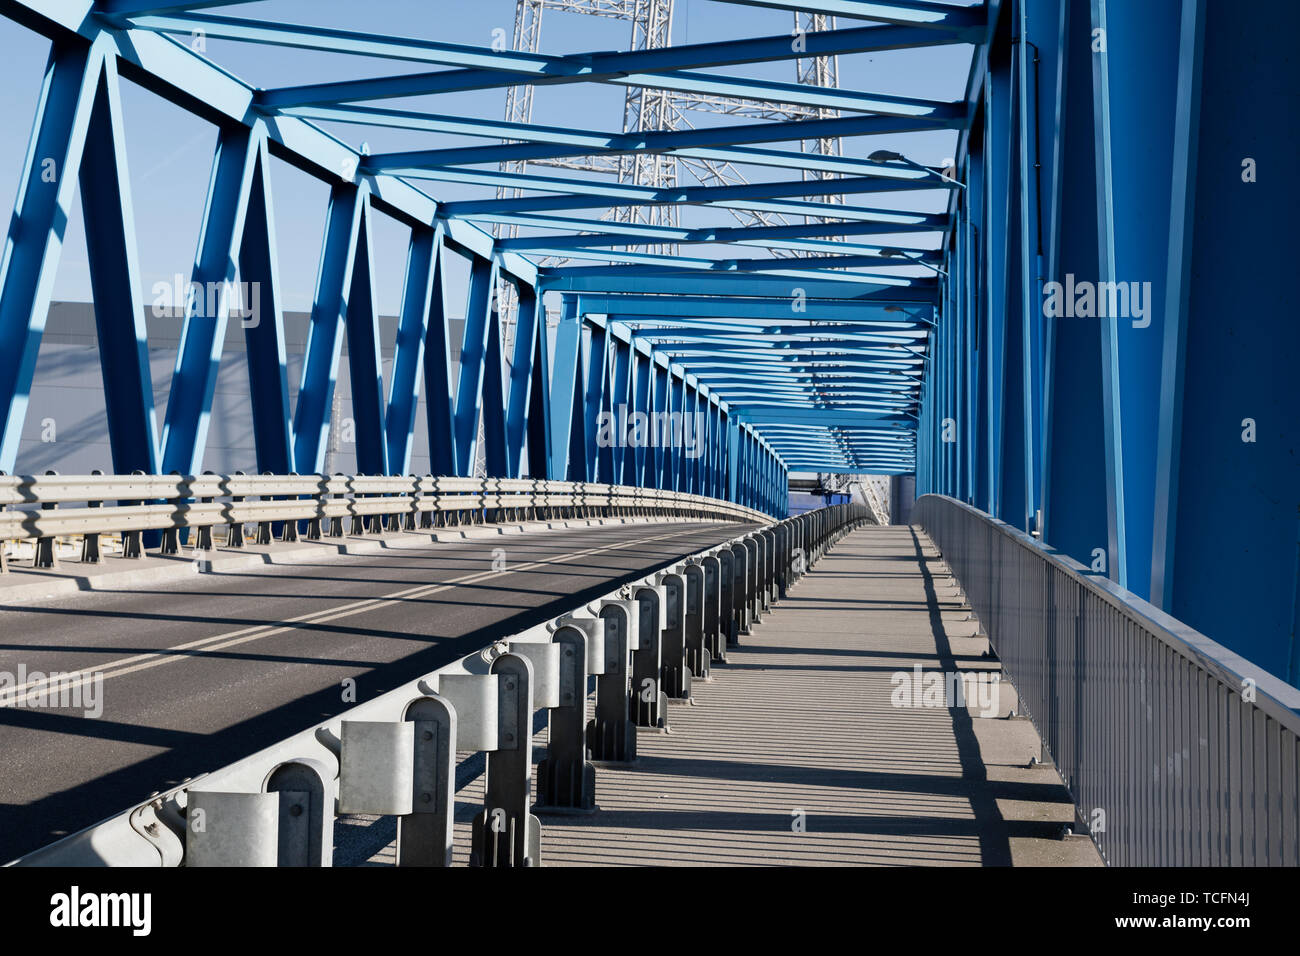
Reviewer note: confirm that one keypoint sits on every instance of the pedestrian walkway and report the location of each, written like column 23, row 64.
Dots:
column 795, row 754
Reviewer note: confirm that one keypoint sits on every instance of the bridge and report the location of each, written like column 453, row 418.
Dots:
column 465, row 536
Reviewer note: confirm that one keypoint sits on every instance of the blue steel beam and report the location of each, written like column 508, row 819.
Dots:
column 139, row 8
column 573, row 193
column 553, row 143
column 935, row 16
column 614, row 280
column 777, row 414
column 621, row 233
column 805, row 265
column 174, row 71
column 785, row 308
column 742, row 332
column 882, row 115
column 304, row 98
column 846, row 166
column 856, row 220
column 799, row 267
column 486, row 68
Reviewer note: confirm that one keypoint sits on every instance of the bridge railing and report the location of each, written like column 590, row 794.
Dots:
column 401, row 753
column 311, row 506
column 1176, row 751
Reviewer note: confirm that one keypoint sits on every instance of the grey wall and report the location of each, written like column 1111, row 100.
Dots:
column 67, row 396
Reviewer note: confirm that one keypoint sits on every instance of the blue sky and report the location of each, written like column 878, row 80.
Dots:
column 169, row 151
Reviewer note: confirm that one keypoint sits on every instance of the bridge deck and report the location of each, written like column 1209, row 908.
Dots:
column 800, row 719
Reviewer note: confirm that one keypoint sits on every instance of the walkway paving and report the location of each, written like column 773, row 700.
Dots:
column 795, row 754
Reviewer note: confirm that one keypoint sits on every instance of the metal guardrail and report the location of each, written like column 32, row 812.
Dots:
column 1176, row 751
column 641, row 645
column 313, row 506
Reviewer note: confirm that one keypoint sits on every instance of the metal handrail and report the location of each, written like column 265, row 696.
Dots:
column 1187, row 749
column 172, row 503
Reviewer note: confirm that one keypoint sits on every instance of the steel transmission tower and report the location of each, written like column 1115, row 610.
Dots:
column 648, row 108
column 819, row 71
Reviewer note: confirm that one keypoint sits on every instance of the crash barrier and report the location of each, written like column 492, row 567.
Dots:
column 640, row 645
column 186, row 510
column 1177, row 751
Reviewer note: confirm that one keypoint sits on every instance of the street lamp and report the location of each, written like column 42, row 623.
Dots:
column 892, row 253
column 889, row 156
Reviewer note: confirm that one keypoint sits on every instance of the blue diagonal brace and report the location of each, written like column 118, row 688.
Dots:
column 311, row 423
column 480, row 315
column 408, row 351
column 189, row 404
column 40, row 219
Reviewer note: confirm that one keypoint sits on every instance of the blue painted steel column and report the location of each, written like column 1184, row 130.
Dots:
column 593, row 403
column 1007, row 345
column 115, row 286
column 662, row 399
column 189, row 404
column 732, row 467
column 524, row 357
column 539, row 403
column 365, row 370
column 408, row 351
column 439, row 401
column 1225, row 556
column 643, row 456
column 496, row 457
column 677, row 450
column 982, row 463
column 311, row 423
column 1074, row 467
column 1134, row 147
column 480, row 317
column 263, row 322
column 621, row 406
column 566, row 383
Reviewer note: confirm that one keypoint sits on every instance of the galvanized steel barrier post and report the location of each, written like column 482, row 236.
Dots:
column 676, row 678
column 506, row 833
column 649, row 705
column 565, row 780
column 697, row 654
column 611, row 735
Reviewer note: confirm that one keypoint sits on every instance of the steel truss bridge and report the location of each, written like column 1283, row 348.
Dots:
column 1073, row 328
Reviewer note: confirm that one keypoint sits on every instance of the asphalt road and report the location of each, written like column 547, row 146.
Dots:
column 200, row 673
